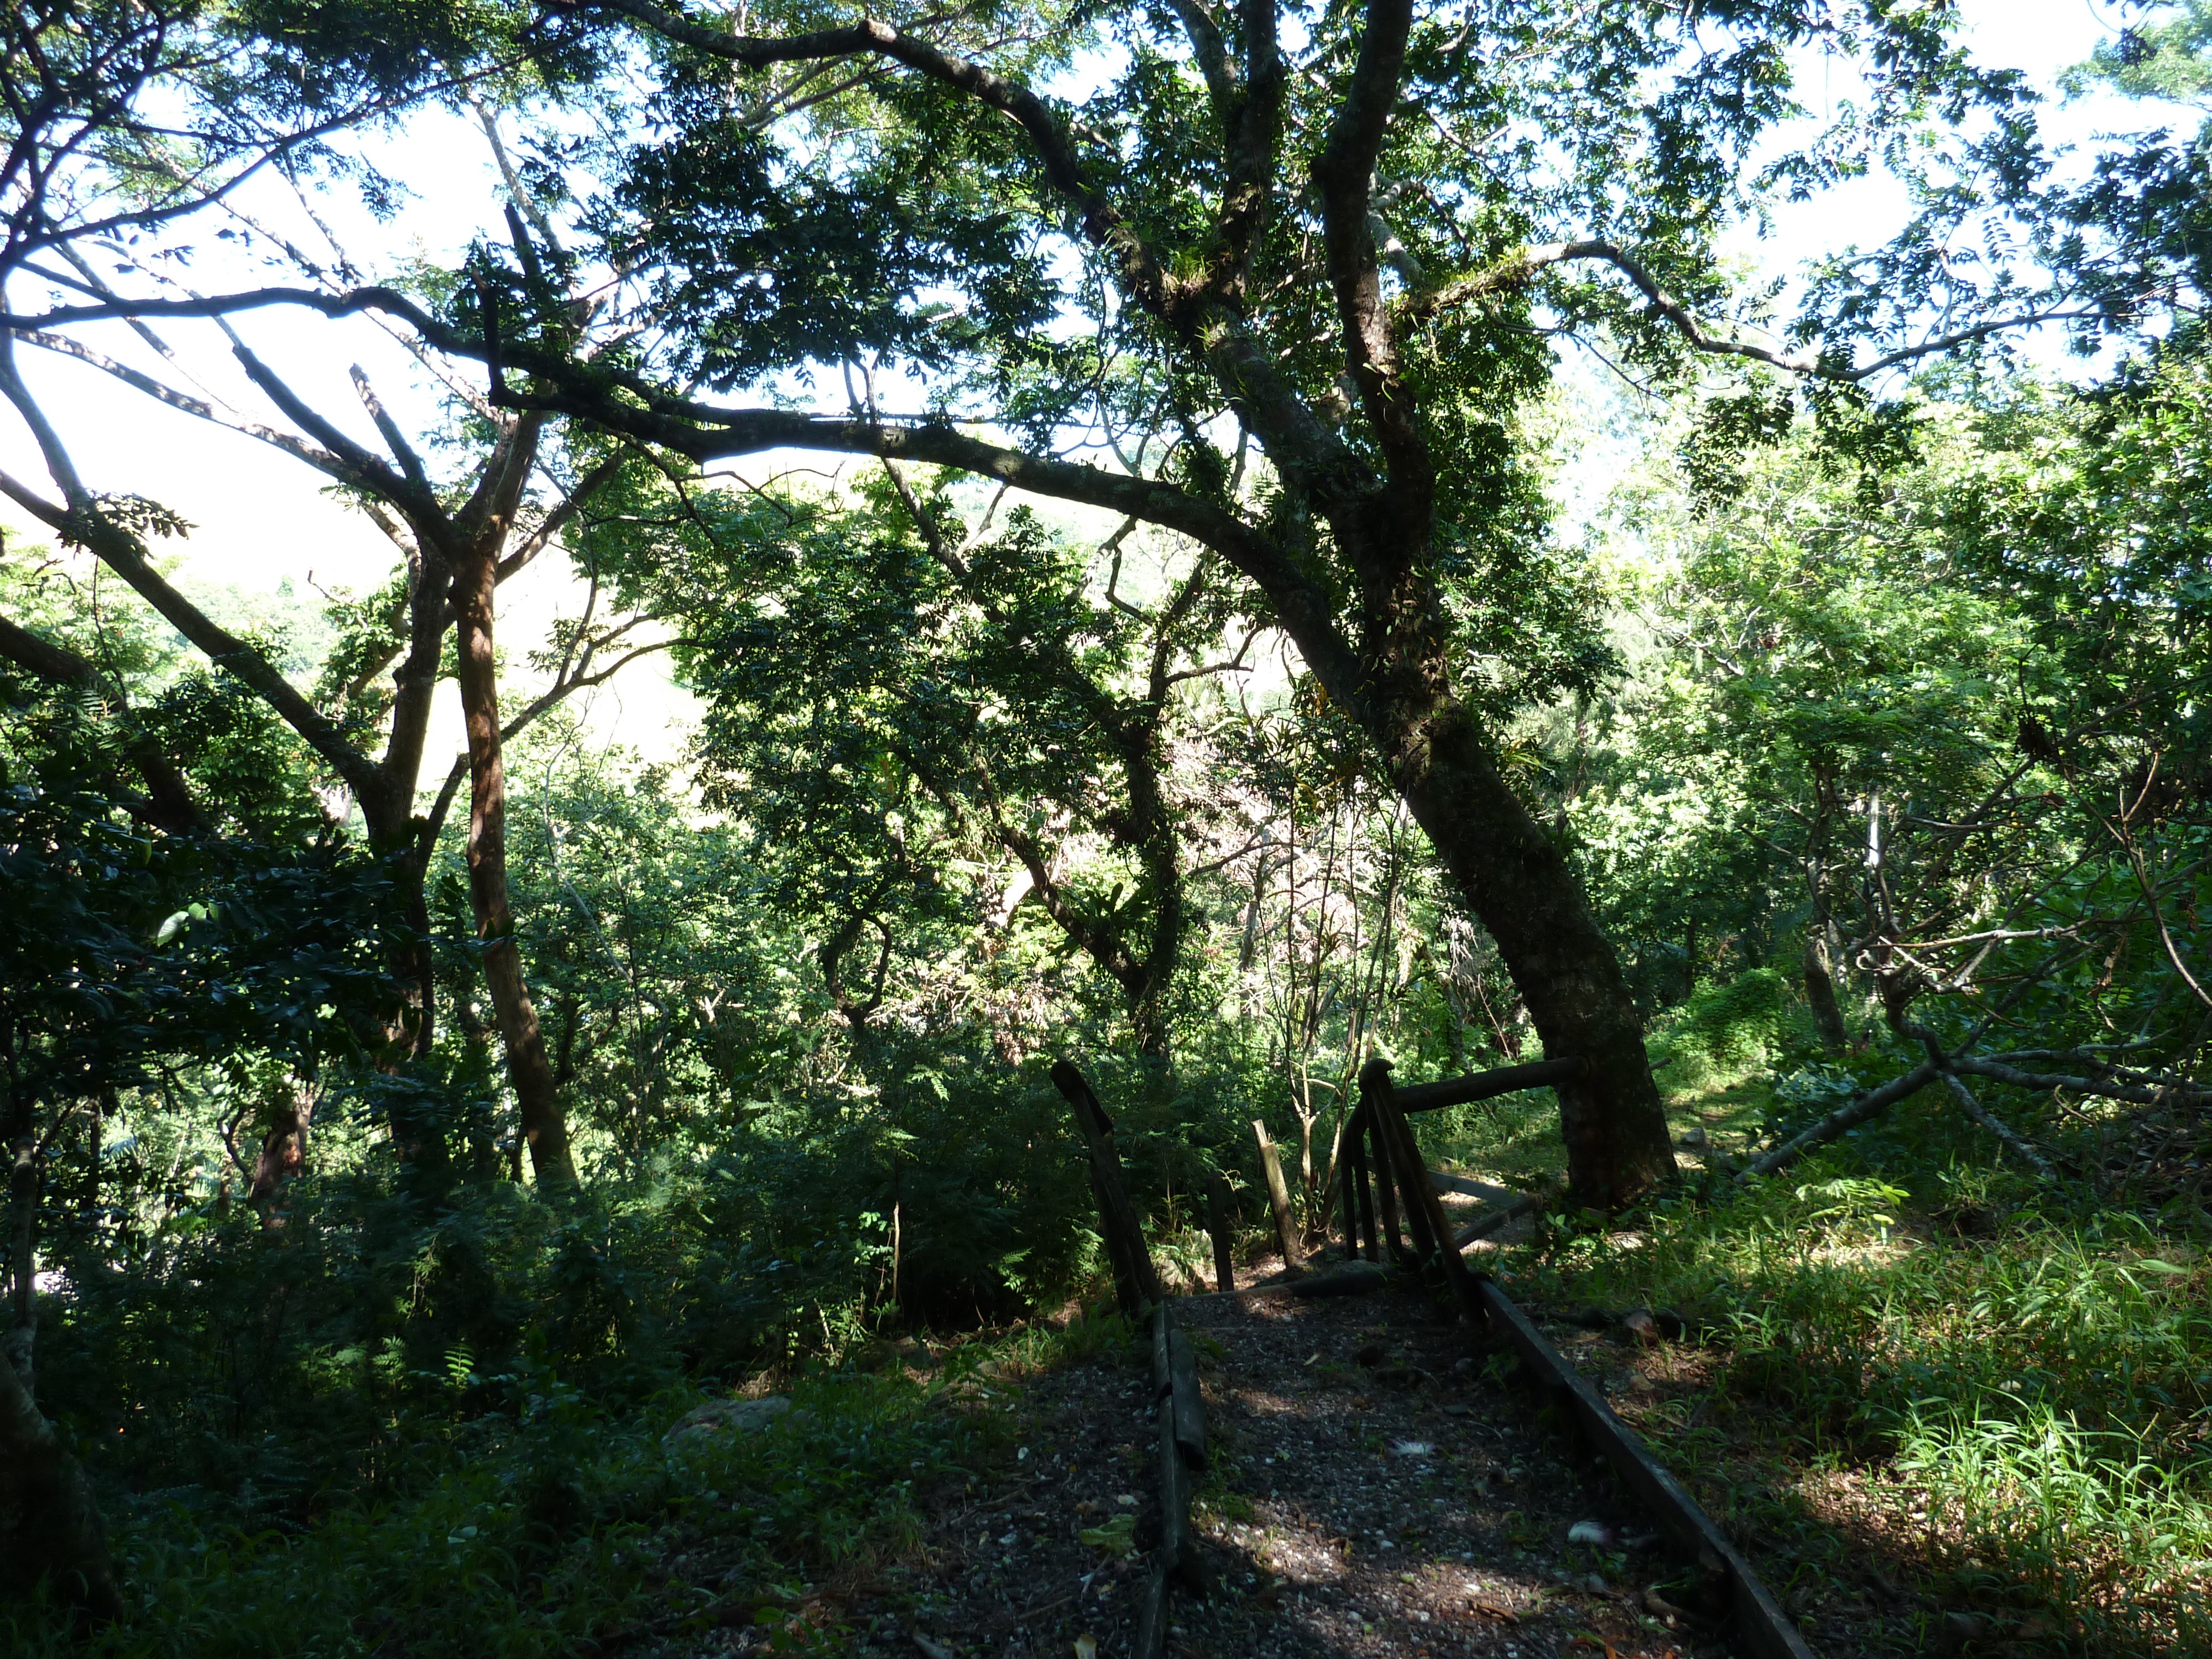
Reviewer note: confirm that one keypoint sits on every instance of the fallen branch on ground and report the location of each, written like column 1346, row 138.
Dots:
column 1868, row 1106
column 1941, row 1065
column 2021, row 1148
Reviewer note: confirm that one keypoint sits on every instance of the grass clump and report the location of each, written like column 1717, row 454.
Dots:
column 543, row 1534
column 2030, row 1388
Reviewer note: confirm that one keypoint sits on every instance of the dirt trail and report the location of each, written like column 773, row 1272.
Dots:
column 1371, row 1492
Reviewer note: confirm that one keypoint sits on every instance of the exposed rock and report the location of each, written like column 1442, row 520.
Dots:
column 1642, row 1326
column 720, row 1418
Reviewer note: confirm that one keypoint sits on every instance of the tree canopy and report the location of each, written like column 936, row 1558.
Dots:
column 1222, row 540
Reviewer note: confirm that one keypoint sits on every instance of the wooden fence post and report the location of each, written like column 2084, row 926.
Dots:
column 1348, row 1173
column 1405, row 1160
column 1217, row 1207
column 1279, row 1195
column 1386, row 1190
column 1136, row 1282
column 1371, row 1240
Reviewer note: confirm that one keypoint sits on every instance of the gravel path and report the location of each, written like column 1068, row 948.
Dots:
column 1371, row 1492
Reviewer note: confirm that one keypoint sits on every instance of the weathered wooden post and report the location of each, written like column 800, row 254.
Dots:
column 1178, row 1563
column 1371, row 1240
column 1279, row 1196
column 1423, row 1209
column 1135, row 1281
column 1348, row 1173
column 1412, row 1179
column 1386, row 1190
column 1218, row 1206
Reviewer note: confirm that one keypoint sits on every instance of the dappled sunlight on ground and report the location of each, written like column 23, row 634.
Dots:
column 1373, row 1491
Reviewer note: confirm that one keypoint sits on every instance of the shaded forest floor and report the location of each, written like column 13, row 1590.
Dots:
column 1375, row 1489
column 1379, row 1485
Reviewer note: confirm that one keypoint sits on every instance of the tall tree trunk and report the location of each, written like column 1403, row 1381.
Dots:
column 1820, row 943
column 1448, row 991
column 1148, row 1021
column 545, row 1130
column 1820, row 993
column 49, row 1524
column 387, row 814
column 1520, row 883
column 417, row 962
column 1153, row 826
column 22, row 1256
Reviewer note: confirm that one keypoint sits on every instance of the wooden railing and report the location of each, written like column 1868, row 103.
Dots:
column 1379, row 1127
column 1367, row 1154
column 1136, row 1284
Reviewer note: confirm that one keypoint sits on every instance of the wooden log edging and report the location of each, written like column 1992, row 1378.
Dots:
column 1178, row 1563
column 1495, row 1222
column 1354, row 1279
column 1762, row 1627
column 1488, row 1191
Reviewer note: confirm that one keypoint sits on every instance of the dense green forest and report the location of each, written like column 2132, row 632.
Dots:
column 1217, row 540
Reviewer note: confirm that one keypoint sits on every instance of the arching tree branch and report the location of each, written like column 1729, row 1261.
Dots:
column 1520, row 268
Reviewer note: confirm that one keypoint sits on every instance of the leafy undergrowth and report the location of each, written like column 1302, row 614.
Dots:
column 569, row 1531
column 1907, row 1365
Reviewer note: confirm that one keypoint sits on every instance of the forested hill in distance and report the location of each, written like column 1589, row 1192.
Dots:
column 621, row 621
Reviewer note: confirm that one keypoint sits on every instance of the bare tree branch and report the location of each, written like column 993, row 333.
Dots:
column 2018, row 1144
column 120, row 550
column 1102, row 224
column 214, row 414
column 561, row 516
column 1521, row 267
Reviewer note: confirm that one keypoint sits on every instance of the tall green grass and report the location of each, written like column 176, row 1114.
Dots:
column 2091, row 1522
column 2042, row 1389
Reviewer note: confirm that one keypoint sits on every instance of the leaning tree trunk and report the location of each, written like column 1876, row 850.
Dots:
column 49, row 1525
column 545, row 1130
column 1520, row 883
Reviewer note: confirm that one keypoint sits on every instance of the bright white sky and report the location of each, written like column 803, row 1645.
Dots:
column 262, row 519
